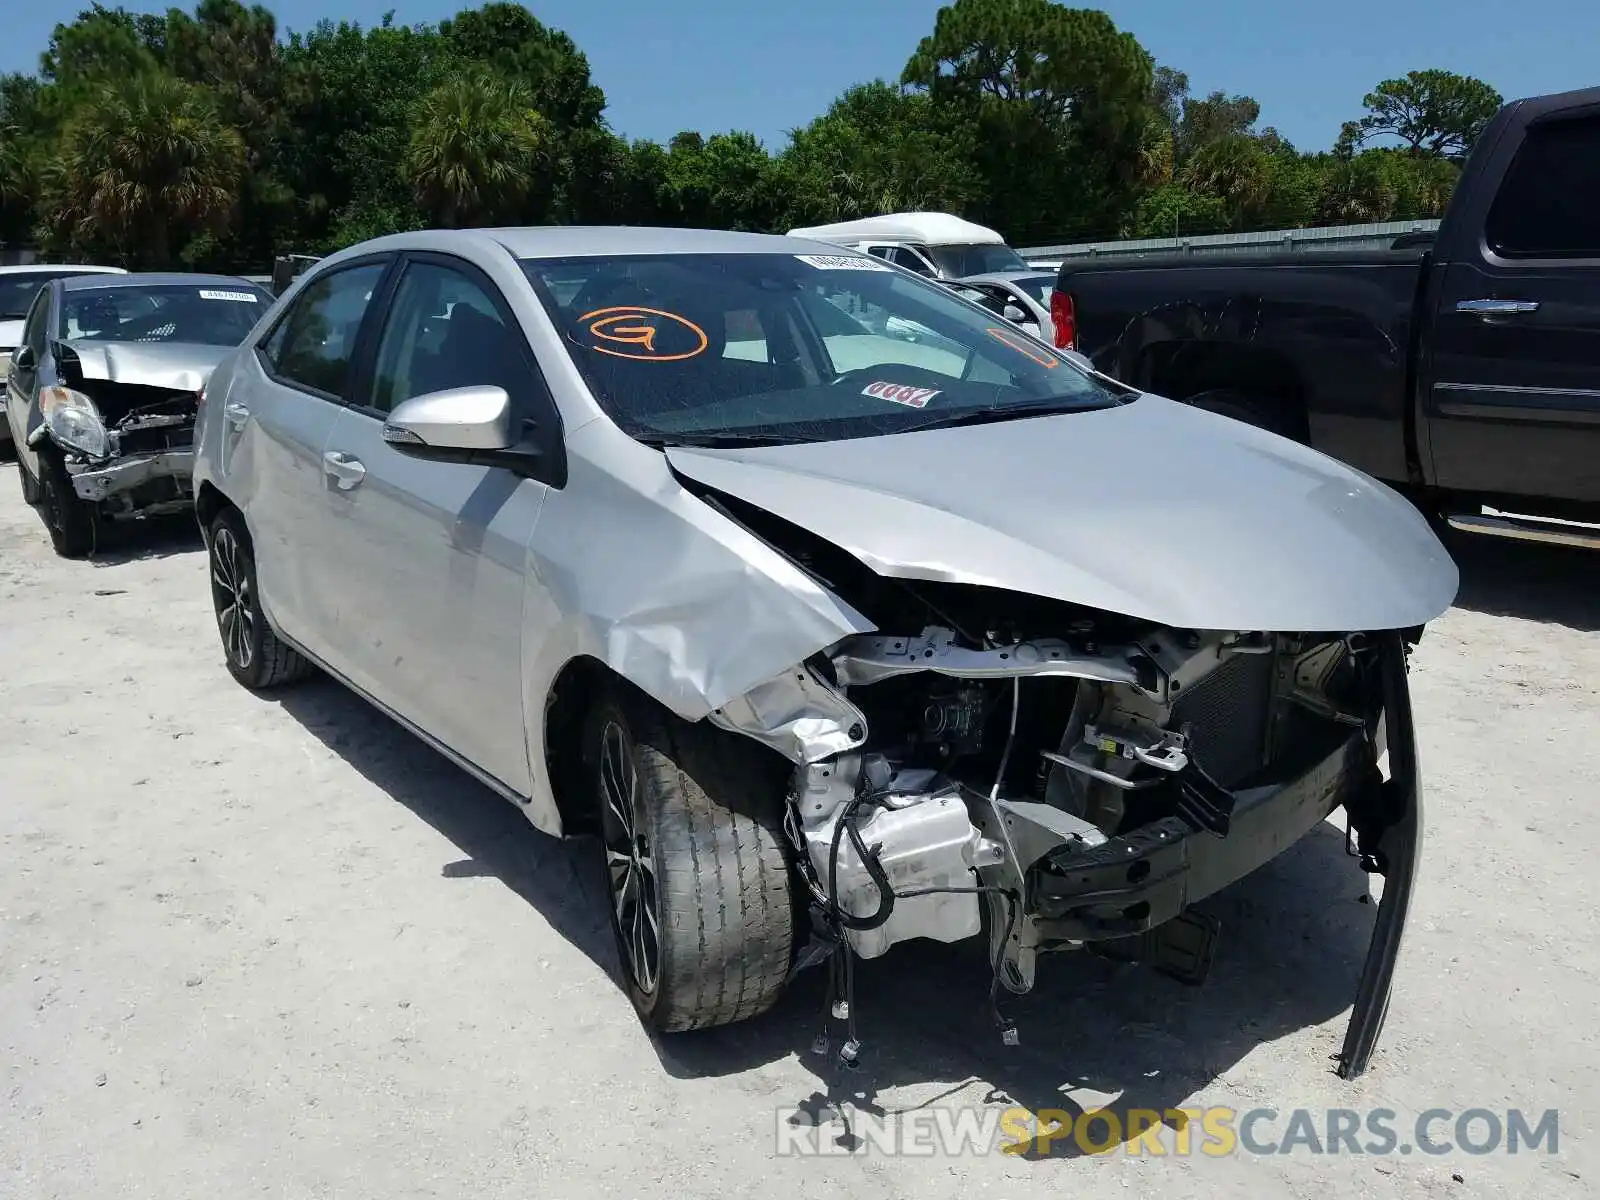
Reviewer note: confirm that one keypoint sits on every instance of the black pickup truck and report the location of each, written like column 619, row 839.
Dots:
column 1466, row 372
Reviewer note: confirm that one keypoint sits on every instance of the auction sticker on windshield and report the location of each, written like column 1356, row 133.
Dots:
column 900, row 393
column 843, row 262
column 241, row 297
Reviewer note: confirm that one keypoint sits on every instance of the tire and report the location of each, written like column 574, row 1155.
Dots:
column 690, row 828
column 30, row 485
column 70, row 521
column 256, row 656
column 1275, row 415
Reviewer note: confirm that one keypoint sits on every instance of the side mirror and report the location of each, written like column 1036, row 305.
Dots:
column 452, row 424
column 1014, row 314
column 22, row 358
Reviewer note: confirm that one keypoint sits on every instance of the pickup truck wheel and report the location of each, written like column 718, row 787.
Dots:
column 256, row 656
column 1264, row 412
column 69, row 519
column 697, row 880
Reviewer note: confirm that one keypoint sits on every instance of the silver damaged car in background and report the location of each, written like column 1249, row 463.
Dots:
column 843, row 613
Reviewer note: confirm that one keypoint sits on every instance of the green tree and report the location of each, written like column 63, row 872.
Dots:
column 1236, row 170
column 1060, row 101
column 877, row 149
column 1431, row 112
column 349, row 98
column 477, row 148
column 144, row 163
column 102, row 45
column 511, row 40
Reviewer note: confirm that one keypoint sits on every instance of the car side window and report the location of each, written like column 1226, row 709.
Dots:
column 910, row 260
column 444, row 330
column 36, row 323
column 1546, row 207
column 314, row 344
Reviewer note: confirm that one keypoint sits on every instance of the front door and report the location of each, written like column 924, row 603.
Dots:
column 1514, row 406
column 433, row 555
column 277, row 415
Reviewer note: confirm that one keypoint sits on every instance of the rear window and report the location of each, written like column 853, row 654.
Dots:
column 212, row 314
column 1038, row 286
column 18, row 289
column 789, row 347
column 1546, row 206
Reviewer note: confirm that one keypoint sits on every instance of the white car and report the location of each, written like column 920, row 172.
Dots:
column 836, row 639
column 1021, row 297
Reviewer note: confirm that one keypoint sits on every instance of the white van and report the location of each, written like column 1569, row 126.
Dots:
column 937, row 245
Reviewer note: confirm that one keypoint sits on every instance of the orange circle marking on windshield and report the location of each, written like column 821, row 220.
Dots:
column 630, row 326
column 1017, row 343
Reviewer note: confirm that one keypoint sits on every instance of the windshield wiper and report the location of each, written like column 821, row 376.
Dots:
column 1007, row 412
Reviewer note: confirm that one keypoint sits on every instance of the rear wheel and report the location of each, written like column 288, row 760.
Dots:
column 697, row 879
column 256, row 656
column 69, row 519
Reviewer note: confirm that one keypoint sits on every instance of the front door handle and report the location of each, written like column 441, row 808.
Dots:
column 237, row 414
column 1496, row 308
column 347, row 472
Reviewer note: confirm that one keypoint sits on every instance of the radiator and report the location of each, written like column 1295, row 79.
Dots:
column 1228, row 713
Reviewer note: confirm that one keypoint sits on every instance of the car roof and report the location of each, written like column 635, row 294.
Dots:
column 579, row 241
column 79, row 283
column 931, row 228
column 63, row 268
column 583, row 240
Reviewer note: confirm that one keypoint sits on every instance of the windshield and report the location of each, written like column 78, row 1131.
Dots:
column 1038, row 286
column 18, row 290
column 789, row 347
column 959, row 261
column 217, row 314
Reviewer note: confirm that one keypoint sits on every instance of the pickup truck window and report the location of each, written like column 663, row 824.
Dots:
column 1546, row 207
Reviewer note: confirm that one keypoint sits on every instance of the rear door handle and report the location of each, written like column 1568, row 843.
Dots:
column 1497, row 308
column 236, row 413
column 347, row 472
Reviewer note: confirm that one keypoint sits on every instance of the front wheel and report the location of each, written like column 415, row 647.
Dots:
column 697, row 880
column 69, row 519
column 256, row 656
column 30, row 485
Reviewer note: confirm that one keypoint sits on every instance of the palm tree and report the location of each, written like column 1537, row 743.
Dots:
column 477, row 149
column 1235, row 170
column 141, row 160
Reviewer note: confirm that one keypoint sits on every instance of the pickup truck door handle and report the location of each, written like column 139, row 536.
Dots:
column 347, row 472
column 1497, row 308
column 237, row 414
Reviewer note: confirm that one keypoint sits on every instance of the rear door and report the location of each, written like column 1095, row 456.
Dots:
column 431, row 557
column 1513, row 382
column 277, row 415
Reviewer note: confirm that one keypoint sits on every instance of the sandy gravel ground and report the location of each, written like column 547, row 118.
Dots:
column 279, row 948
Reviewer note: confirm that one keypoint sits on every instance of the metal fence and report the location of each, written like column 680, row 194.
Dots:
column 1375, row 236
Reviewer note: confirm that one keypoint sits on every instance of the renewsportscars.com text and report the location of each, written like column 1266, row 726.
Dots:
column 1175, row 1132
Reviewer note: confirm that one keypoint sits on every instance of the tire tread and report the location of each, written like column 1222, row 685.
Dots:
column 722, row 865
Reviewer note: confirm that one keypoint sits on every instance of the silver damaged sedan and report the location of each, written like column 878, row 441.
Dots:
column 840, row 612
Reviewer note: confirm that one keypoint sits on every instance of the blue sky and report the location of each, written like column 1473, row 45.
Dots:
column 769, row 65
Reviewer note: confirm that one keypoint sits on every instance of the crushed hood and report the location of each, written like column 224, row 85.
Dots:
column 1151, row 509
column 181, row 366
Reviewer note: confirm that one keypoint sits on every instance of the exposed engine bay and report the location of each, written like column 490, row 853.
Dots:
column 128, row 447
column 1056, row 776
